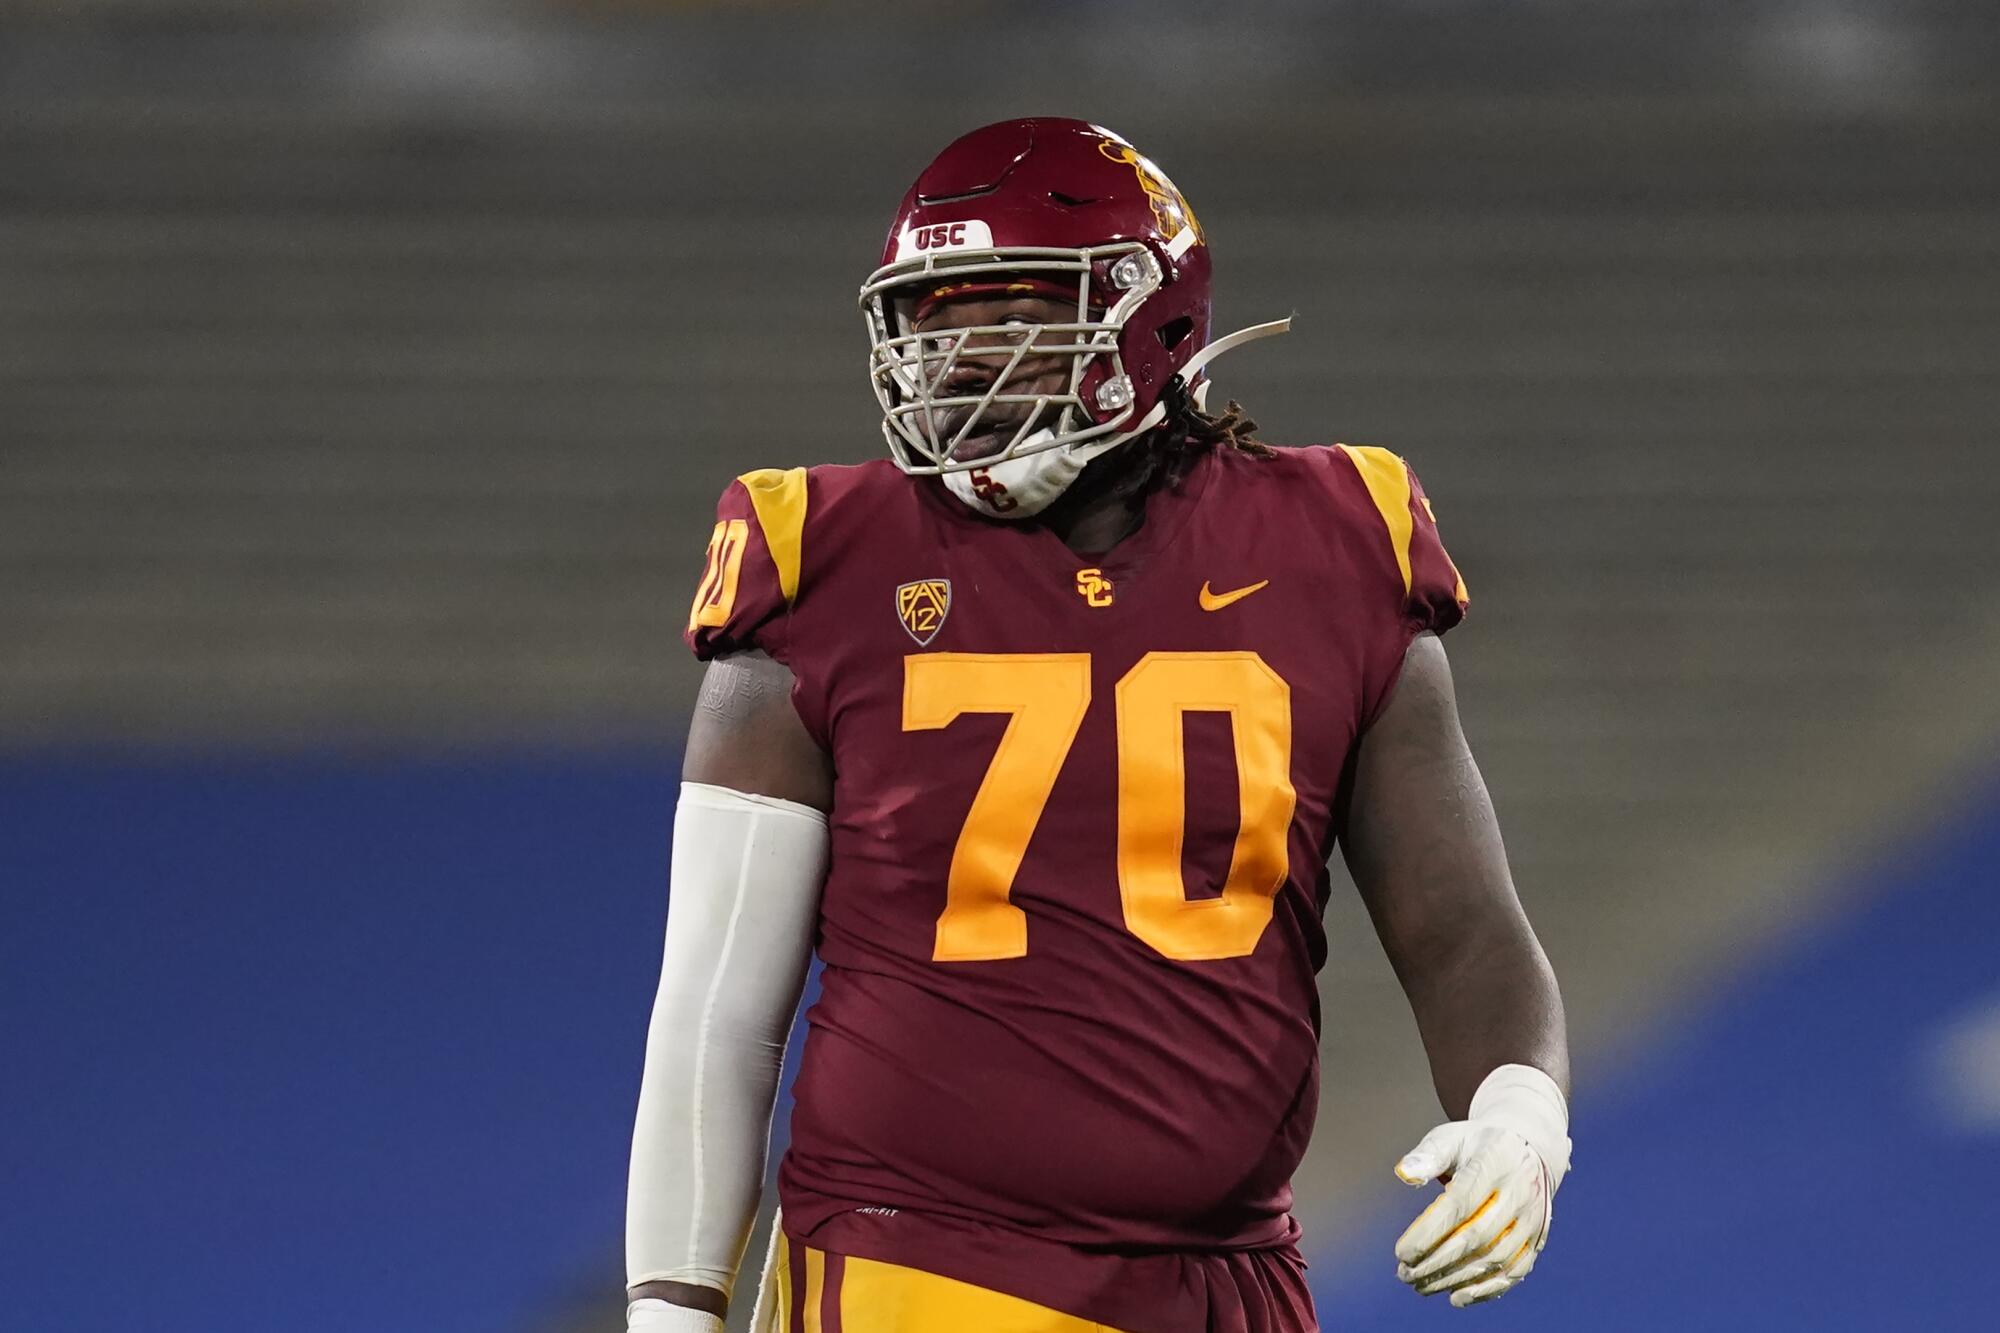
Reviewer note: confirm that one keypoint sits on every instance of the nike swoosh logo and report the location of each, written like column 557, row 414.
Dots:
column 1215, row 601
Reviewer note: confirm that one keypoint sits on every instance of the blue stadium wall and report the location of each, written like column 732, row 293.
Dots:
column 352, row 1045
column 1813, row 1144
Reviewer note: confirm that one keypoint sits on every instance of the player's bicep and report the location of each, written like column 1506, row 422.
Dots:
column 1421, row 838
column 746, row 735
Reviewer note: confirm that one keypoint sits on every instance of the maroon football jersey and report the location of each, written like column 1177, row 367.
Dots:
column 1082, row 814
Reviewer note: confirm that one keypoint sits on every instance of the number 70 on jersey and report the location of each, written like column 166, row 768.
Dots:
column 1045, row 697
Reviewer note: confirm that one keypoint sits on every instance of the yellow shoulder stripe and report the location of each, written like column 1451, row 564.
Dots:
column 1388, row 483
column 779, row 497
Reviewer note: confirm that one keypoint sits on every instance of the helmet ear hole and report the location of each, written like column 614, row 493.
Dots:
column 1174, row 332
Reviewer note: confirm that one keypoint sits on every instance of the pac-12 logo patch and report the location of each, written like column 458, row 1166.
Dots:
column 922, row 607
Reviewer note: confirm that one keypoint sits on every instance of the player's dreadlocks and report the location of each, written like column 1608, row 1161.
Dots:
column 1188, row 432
column 1170, row 450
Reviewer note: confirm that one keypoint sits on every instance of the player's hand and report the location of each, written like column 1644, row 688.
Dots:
column 1503, row 1164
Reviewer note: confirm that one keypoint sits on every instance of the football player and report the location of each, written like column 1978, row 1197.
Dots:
column 1041, row 731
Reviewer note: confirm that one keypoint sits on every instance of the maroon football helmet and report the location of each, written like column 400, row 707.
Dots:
column 1056, row 208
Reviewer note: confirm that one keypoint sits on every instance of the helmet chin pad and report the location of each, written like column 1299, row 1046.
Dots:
column 1023, row 485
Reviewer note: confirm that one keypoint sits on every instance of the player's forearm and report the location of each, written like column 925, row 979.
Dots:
column 746, row 876
column 1425, row 849
column 1491, row 1000
column 699, row 1146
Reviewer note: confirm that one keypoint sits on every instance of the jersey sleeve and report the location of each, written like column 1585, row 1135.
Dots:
column 1433, row 594
column 750, row 574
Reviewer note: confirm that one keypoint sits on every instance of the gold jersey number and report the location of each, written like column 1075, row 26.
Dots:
column 1045, row 696
column 716, row 596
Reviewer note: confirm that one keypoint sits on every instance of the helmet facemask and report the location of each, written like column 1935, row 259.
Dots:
column 926, row 424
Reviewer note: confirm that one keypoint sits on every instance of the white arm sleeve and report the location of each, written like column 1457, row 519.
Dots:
column 741, row 911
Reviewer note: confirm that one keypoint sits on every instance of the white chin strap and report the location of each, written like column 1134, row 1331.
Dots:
column 1030, row 481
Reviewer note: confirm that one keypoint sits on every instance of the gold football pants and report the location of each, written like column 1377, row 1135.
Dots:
column 806, row 1290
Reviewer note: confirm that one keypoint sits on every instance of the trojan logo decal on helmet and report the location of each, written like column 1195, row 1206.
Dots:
column 1068, row 212
column 1170, row 207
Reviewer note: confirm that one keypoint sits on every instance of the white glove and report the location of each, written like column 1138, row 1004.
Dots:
column 652, row 1315
column 1504, row 1161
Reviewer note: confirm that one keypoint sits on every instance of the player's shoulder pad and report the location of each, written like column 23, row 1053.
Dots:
column 1434, row 594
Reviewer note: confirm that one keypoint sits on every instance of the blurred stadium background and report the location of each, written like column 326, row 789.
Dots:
column 367, row 374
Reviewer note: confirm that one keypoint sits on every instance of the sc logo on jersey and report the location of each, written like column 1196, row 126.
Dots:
column 922, row 607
